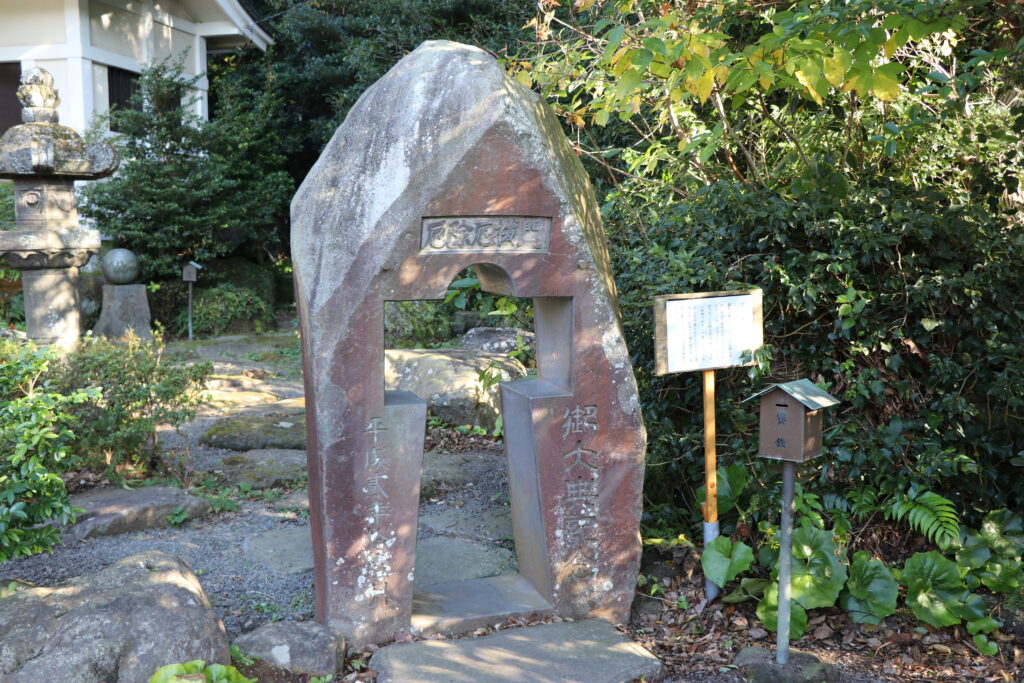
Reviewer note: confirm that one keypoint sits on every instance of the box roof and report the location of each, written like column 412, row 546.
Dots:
column 803, row 390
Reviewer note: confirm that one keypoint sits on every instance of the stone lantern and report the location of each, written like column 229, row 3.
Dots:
column 44, row 159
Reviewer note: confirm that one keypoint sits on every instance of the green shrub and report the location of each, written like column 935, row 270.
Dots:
column 242, row 272
column 137, row 389
column 168, row 299
column 190, row 189
column 34, row 450
column 224, row 309
column 902, row 304
column 415, row 324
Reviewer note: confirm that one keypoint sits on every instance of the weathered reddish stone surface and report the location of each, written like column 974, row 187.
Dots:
column 443, row 164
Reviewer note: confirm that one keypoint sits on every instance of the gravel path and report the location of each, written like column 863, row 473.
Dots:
column 245, row 592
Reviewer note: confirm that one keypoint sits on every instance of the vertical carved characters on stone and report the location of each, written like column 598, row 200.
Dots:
column 377, row 558
column 446, row 164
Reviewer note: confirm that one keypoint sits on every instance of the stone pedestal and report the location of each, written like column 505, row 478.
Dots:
column 125, row 307
column 51, row 306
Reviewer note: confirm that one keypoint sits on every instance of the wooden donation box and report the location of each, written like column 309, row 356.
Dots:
column 791, row 420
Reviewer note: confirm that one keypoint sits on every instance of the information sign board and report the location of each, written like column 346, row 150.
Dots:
column 707, row 330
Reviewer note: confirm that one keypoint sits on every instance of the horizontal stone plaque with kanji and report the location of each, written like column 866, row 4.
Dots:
column 484, row 234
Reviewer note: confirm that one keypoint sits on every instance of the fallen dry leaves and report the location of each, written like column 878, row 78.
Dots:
column 698, row 643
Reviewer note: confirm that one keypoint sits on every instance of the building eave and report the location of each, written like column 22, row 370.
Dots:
column 245, row 25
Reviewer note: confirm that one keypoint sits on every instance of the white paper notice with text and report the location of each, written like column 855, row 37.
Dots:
column 712, row 332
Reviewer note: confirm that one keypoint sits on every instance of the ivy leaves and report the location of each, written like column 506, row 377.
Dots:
column 768, row 612
column 818, row 575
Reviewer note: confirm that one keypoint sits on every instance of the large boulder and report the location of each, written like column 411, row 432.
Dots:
column 498, row 339
column 460, row 386
column 117, row 626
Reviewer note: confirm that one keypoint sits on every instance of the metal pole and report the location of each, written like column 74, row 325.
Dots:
column 785, row 562
column 711, row 591
column 190, row 311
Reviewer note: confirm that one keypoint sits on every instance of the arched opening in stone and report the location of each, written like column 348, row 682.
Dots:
column 481, row 553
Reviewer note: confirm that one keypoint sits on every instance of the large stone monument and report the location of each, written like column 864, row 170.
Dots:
column 44, row 159
column 443, row 164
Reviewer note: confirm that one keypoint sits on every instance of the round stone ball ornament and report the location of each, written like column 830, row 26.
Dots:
column 120, row 267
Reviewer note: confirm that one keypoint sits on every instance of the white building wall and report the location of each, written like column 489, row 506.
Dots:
column 41, row 19
column 76, row 40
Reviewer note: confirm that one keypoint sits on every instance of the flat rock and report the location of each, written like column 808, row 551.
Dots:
column 117, row 626
column 590, row 651
column 758, row 665
column 301, row 647
column 111, row 510
column 288, row 550
column 443, row 470
column 237, row 399
column 295, row 499
column 493, row 524
column 497, row 339
column 253, row 432
column 441, row 559
column 263, row 468
column 450, row 381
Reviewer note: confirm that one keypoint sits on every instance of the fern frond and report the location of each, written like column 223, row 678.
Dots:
column 863, row 502
column 929, row 514
column 834, row 501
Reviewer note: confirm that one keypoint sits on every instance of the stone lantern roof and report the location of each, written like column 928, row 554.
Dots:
column 42, row 147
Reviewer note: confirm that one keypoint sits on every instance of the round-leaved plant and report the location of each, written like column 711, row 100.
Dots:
column 870, row 594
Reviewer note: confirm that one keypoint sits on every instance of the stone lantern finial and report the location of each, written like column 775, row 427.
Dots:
column 38, row 97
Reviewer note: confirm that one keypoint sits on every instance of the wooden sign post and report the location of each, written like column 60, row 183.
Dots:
column 189, row 273
column 704, row 332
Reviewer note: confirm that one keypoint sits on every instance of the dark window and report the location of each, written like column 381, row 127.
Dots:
column 10, row 107
column 121, row 86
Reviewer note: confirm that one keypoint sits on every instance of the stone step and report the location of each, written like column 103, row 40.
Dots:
column 456, row 607
column 590, row 651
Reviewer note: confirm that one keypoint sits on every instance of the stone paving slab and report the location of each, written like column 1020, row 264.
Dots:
column 493, row 524
column 441, row 559
column 438, row 560
column 247, row 433
column 263, row 468
column 590, row 651
column 459, row 607
column 288, row 550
